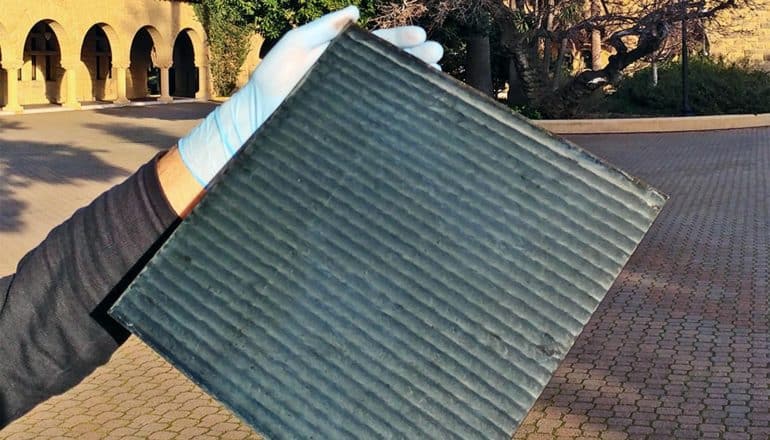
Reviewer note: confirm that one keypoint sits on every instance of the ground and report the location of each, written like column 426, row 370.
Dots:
column 678, row 349
column 51, row 164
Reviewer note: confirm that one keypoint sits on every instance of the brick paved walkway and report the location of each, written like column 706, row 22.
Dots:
column 679, row 348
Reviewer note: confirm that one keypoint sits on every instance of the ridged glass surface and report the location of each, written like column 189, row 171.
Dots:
column 391, row 255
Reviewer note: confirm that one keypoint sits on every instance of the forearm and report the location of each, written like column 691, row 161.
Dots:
column 53, row 320
column 179, row 186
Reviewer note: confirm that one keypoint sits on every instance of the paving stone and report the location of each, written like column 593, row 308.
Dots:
column 546, row 425
column 636, row 430
column 614, row 435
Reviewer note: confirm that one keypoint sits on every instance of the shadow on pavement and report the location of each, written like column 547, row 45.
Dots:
column 150, row 136
column 24, row 163
column 10, row 124
column 197, row 110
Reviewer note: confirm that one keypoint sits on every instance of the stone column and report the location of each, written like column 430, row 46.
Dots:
column 165, row 96
column 203, row 93
column 71, row 79
column 120, row 84
column 11, row 68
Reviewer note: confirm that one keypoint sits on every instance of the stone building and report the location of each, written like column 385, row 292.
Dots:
column 748, row 37
column 73, row 51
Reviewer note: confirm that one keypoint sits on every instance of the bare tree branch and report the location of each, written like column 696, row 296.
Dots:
column 534, row 33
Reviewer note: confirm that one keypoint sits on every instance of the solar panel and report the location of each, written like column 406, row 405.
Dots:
column 391, row 255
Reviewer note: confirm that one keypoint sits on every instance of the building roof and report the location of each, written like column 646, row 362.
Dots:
column 391, row 255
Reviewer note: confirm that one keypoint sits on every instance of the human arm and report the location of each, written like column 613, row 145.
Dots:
column 53, row 323
column 180, row 187
column 54, row 327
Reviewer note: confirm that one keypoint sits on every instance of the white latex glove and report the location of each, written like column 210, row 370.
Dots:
column 208, row 147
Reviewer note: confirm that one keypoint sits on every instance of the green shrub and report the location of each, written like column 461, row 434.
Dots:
column 527, row 111
column 228, row 30
column 715, row 86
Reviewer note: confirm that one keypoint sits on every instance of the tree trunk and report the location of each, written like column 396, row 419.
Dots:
column 559, row 69
column 517, row 95
column 548, row 47
column 596, row 38
column 547, row 58
column 596, row 49
column 479, row 63
column 654, row 74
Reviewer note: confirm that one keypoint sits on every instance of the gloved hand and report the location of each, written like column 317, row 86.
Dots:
column 208, row 147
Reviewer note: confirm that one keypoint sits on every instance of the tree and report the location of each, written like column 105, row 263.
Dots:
column 465, row 27
column 230, row 23
column 544, row 39
column 274, row 18
column 228, row 26
column 670, row 48
column 634, row 32
column 535, row 46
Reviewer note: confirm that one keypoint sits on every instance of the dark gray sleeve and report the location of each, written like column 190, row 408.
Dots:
column 54, row 329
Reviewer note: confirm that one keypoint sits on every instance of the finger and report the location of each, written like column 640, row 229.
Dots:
column 324, row 29
column 403, row 37
column 430, row 52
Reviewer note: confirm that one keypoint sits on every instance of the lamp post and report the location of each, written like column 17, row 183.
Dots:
column 686, row 109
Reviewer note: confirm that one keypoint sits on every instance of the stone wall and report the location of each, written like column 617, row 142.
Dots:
column 748, row 37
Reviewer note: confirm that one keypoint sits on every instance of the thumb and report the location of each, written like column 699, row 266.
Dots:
column 326, row 28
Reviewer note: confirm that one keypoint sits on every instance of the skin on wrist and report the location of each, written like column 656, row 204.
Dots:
column 179, row 186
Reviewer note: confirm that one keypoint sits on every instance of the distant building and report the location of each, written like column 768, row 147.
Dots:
column 74, row 51
column 745, row 35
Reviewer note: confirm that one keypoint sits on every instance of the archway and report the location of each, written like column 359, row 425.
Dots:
column 41, row 75
column 96, row 55
column 183, row 75
column 144, row 72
